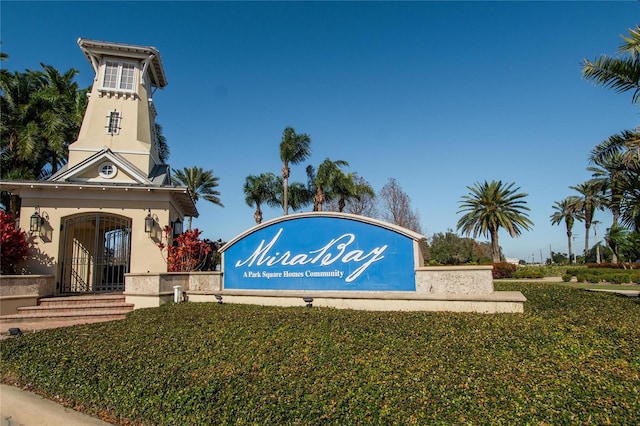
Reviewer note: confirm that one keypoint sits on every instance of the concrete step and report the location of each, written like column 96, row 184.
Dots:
column 76, row 309
column 82, row 300
column 67, row 316
column 68, row 310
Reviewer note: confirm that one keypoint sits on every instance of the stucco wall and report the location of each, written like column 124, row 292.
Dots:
column 145, row 254
column 454, row 280
column 23, row 290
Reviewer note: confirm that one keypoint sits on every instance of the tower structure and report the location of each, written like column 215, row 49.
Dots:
column 102, row 214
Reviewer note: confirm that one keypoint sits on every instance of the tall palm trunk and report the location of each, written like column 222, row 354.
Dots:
column 341, row 203
column 569, row 244
column 587, row 225
column 495, row 247
column 285, row 196
column 257, row 216
column 319, row 200
column 616, row 216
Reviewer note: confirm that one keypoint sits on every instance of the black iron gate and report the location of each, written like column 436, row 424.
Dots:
column 96, row 253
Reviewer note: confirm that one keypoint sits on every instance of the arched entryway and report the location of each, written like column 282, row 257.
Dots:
column 96, row 252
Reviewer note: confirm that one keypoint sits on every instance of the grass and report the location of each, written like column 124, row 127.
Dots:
column 573, row 357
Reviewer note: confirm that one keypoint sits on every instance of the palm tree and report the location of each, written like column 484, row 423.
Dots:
column 161, row 143
column 491, row 206
column 616, row 239
column 364, row 201
column 589, row 200
column 61, row 115
column 328, row 177
column 619, row 73
column 18, row 127
column 260, row 190
column 294, row 149
column 350, row 187
column 618, row 166
column 626, row 144
column 630, row 207
column 611, row 173
column 299, row 195
column 42, row 114
column 200, row 183
column 566, row 212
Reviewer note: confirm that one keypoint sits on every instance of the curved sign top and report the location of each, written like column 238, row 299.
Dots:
column 322, row 251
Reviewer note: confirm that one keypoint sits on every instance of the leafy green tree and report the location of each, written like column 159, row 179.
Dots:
column 200, row 183
column 450, row 249
column 590, row 199
column 491, row 206
column 560, row 258
column 566, row 211
column 294, row 149
column 260, row 190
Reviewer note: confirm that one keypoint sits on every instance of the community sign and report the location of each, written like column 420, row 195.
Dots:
column 323, row 251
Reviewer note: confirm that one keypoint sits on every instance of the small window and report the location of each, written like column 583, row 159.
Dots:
column 113, row 123
column 110, row 75
column 108, row 170
column 127, row 76
column 119, row 76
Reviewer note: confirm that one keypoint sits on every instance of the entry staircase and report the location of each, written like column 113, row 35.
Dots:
column 63, row 311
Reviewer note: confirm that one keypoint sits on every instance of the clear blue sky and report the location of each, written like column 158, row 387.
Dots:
column 437, row 95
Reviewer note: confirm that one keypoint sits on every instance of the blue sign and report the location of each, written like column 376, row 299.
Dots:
column 321, row 252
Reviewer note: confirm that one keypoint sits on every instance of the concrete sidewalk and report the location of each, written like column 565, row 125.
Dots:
column 21, row 408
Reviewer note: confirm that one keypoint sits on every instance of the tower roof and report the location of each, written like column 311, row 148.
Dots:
column 94, row 50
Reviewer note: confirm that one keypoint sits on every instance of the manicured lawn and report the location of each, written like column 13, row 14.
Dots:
column 573, row 357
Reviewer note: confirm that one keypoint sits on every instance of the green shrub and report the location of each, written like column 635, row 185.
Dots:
column 567, row 278
column 620, row 265
column 593, row 278
column 619, row 278
column 503, row 270
column 527, row 272
column 570, row 358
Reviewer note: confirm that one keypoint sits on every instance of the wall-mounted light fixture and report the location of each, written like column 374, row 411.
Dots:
column 37, row 220
column 149, row 223
column 177, row 227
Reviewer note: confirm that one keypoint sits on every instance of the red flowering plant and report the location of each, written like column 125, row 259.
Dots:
column 188, row 252
column 14, row 247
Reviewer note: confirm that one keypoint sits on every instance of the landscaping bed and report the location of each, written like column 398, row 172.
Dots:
column 571, row 358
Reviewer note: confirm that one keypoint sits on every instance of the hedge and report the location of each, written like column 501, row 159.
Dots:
column 612, row 275
column 571, row 358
